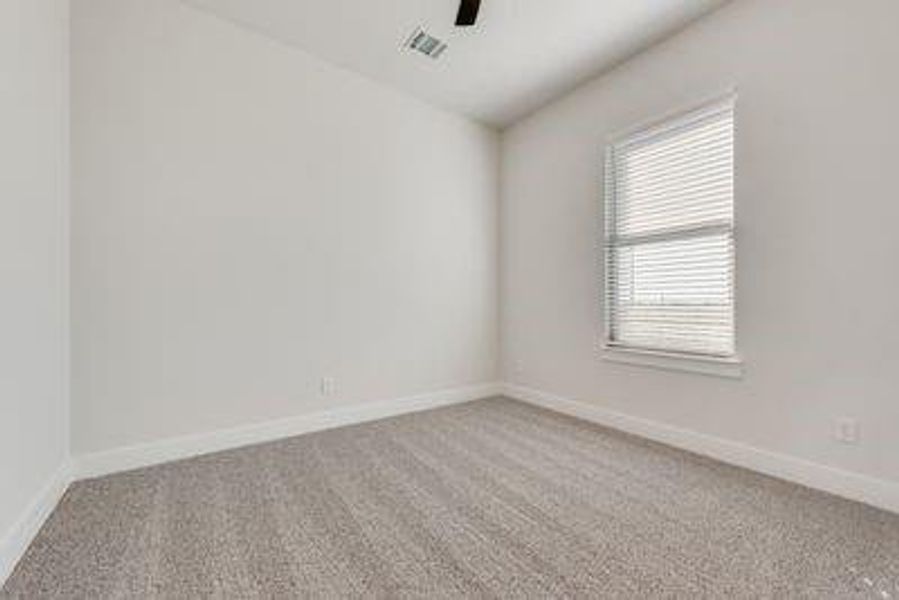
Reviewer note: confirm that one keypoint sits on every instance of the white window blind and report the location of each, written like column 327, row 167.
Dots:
column 670, row 236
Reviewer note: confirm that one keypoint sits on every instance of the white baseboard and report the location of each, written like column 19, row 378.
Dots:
column 862, row 488
column 19, row 537
column 143, row 455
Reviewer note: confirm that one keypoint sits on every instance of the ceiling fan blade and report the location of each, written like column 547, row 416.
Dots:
column 468, row 13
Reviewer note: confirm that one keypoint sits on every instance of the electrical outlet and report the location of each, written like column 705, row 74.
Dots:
column 328, row 386
column 846, row 431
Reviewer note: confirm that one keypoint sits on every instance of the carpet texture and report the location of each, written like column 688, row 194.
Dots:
column 492, row 499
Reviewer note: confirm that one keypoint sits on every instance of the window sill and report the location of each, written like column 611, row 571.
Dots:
column 731, row 368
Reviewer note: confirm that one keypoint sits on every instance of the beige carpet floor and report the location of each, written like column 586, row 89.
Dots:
column 492, row 499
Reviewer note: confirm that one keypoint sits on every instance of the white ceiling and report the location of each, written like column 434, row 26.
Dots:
column 521, row 54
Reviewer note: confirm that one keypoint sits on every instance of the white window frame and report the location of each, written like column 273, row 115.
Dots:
column 730, row 366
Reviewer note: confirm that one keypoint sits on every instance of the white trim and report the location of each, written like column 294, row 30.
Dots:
column 729, row 367
column 881, row 493
column 167, row 450
column 22, row 533
column 705, row 106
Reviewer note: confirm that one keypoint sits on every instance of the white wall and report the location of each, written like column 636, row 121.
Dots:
column 33, row 257
column 248, row 219
column 817, row 204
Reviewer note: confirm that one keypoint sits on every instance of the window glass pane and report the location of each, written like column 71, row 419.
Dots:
column 674, row 295
column 683, row 180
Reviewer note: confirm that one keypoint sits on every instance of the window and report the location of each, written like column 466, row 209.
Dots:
column 670, row 236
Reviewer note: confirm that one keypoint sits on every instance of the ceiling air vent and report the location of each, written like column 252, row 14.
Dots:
column 421, row 41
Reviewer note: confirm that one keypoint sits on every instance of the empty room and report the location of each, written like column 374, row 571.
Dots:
column 449, row 299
